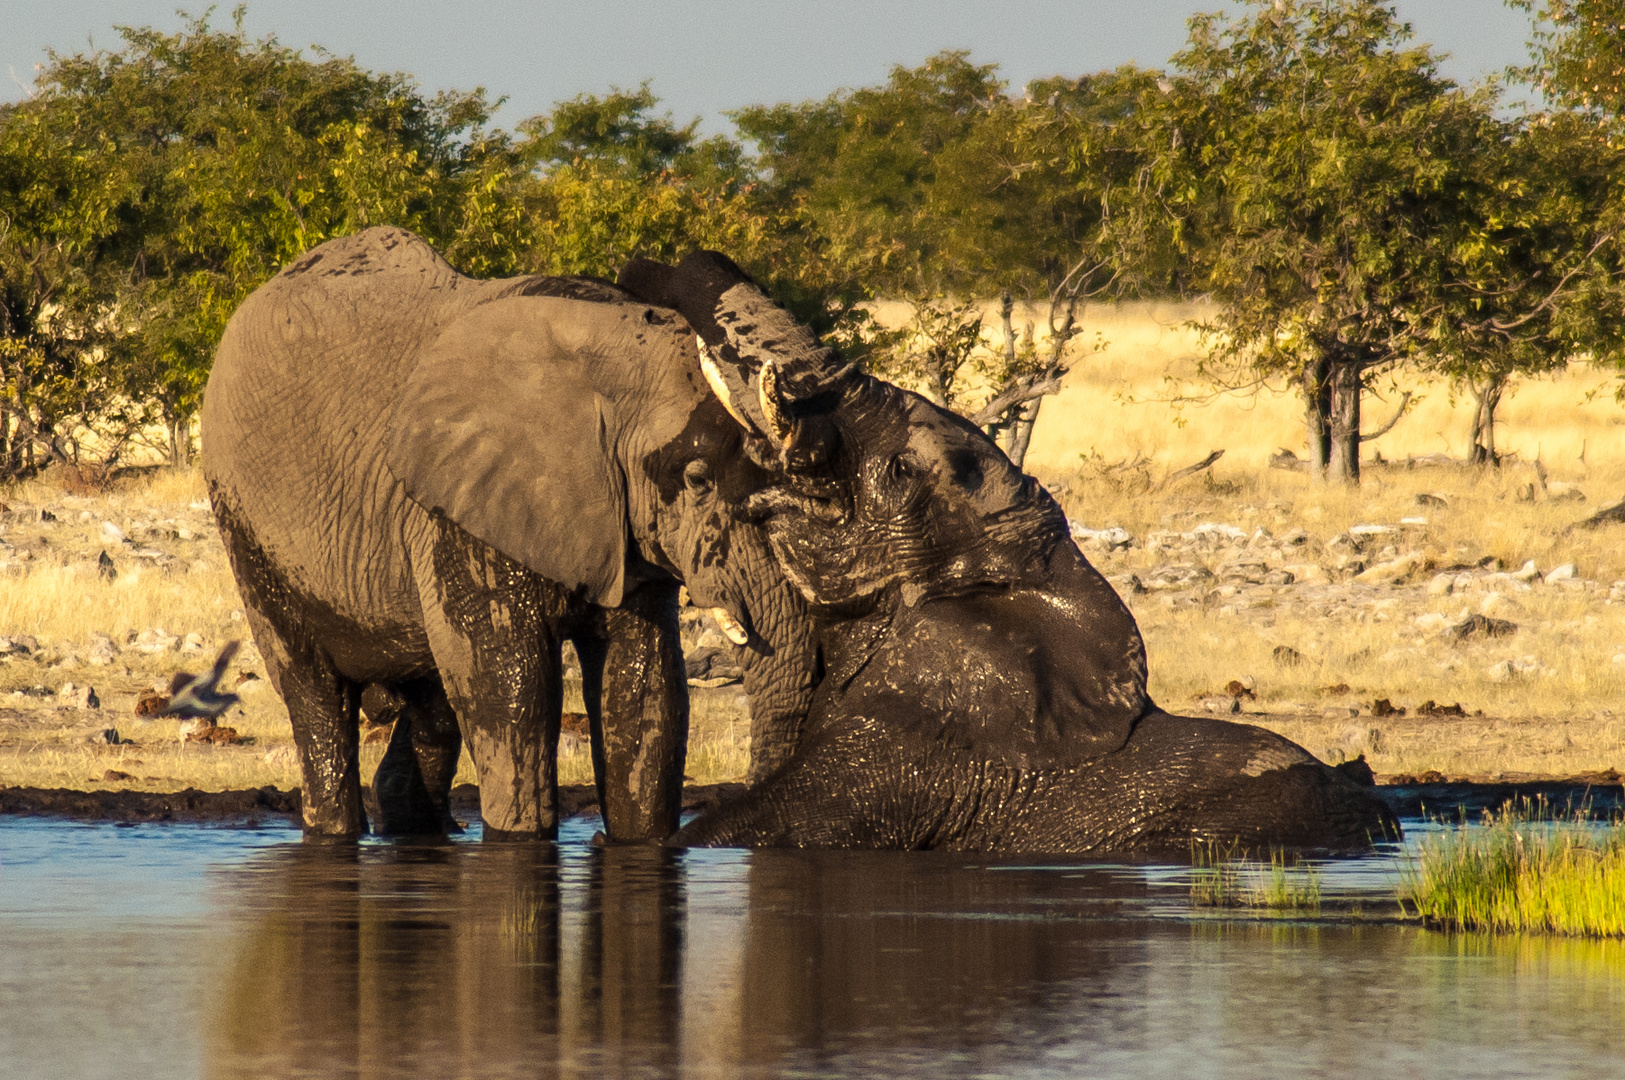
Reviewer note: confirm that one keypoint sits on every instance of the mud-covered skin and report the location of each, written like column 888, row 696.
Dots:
column 427, row 482
column 980, row 684
column 998, row 720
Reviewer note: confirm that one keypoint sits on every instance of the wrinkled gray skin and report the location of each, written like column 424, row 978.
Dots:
column 981, row 686
column 426, row 483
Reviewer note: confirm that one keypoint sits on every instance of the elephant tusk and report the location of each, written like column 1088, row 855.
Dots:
column 713, row 376
column 730, row 626
column 779, row 424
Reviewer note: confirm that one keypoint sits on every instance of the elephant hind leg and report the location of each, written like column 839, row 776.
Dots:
column 324, row 709
column 413, row 782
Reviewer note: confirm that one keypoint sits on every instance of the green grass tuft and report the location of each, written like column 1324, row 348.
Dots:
column 1222, row 878
column 1517, row 873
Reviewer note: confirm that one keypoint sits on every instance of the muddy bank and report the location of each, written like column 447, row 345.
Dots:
column 1448, row 799
column 256, row 805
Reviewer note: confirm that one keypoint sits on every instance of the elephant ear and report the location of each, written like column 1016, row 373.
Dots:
column 502, row 428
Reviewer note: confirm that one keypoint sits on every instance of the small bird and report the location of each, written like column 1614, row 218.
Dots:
column 198, row 697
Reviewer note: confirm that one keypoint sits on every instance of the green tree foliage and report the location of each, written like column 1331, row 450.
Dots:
column 1349, row 210
column 210, row 160
column 1315, row 160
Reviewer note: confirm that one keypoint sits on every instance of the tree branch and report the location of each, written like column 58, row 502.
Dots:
column 1190, row 470
column 1019, row 392
column 1404, row 403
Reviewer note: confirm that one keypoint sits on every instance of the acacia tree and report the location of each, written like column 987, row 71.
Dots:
column 1314, row 160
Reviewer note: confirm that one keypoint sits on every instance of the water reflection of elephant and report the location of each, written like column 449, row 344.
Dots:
column 631, row 960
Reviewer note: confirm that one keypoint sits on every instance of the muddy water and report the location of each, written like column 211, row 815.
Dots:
column 161, row 951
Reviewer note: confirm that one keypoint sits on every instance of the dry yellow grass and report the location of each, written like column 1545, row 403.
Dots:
column 1116, row 406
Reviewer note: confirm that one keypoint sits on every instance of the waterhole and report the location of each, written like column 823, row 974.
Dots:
column 183, row 951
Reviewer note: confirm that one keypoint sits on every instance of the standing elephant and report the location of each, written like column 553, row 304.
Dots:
column 428, row 482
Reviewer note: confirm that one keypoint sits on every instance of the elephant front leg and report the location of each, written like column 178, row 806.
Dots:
column 640, row 725
column 492, row 626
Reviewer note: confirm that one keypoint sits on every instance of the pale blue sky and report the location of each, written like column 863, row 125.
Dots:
column 707, row 56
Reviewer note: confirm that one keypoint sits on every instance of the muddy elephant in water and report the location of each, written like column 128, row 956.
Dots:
column 981, row 686
column 427, row 482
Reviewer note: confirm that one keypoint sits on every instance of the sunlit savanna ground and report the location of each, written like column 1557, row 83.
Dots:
column 1116, row 408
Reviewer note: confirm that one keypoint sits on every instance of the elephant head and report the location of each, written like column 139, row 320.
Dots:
column 876, row 501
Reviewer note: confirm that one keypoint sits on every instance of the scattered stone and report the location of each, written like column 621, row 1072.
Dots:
column 102, row 651
column 1392, row 572
column 1280, row 577
column 1482, row 626
column 17, row 646
column 1441, row 584
column 1431, row 621
column 1286, row 656
column 1220, row 703
column 281, row 755
column 112, row 533
column 78, row 697
column 193, row 642
column 216, row 736
column 155, row 640
column 1566, row 572
column 1370, row 532
column 1336, row 689
column 1340, row 712
column 1497, row 605
column 1527, row 572
column 1383, row 707
column 1178, row 576
column 1109, row 539
column 1512, row 669
column 106, row 569
column 1431, row 708
column 113, row 776
column 1414, row 522
column 108, row 737
column 1433, row 498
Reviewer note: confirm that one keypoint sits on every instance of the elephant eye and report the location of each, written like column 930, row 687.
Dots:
column 898, row 469
column 697, row 475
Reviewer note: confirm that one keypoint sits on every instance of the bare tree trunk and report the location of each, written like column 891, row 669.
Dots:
column 180, row 443
column 1021, row 434
column 1347, row 385
column 1317, row 398
column 1488, row 398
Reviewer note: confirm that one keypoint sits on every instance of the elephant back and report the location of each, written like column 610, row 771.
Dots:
column 294, row 412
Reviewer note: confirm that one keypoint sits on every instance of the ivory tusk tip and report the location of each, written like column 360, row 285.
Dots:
column 730, row 626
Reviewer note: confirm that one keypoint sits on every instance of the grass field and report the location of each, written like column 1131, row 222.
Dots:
column 1104, row 444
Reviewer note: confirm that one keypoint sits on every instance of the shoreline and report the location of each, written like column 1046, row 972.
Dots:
column 1598, row 795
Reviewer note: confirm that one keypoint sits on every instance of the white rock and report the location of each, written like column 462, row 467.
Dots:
column 1619, row 658
column 103, row 651
column 84, row 515
column 201, row 504
column 281, row 755
column 193, row 642
column 1501, row 672
column 1110, row 538
column 183, row 533
column 112, row 532
column 1432, row 621
column 1527, row 572
column 1441, row 584
column 1340, row 712
column 1498, row 606
column 1368, row 531
column 1413, row 521
column 1561, row 573
column 1221, row 703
